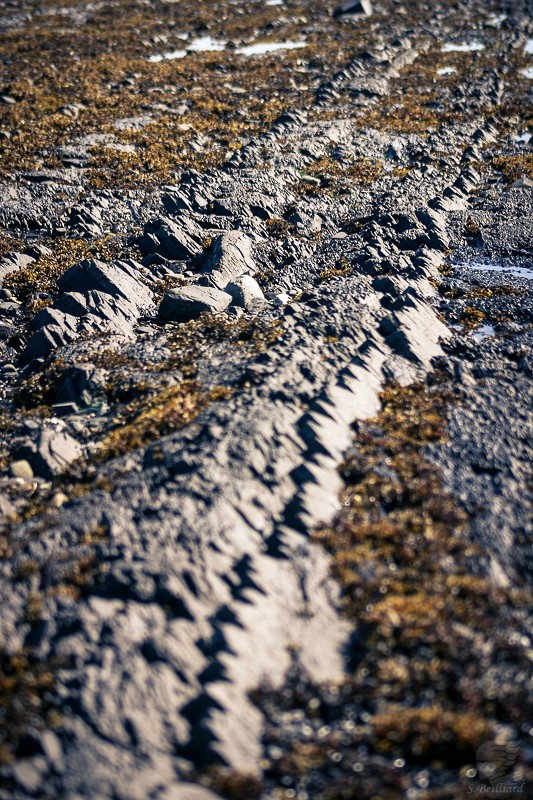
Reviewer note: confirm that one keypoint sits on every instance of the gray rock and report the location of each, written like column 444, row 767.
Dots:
column 52, row 750
column 355, row 8
column 176, row 202
column 87, row 221
column 188, row 302
column 77, row 313
column 245, row 291
column 54, row 451
column 45, row 340
column 278, row 300
column 171, row 240
column 9, row 308
column 112, row 279
column 29, row 773
column 37, row 250
column 522, row 183
column 21, row 469
column 230, row 257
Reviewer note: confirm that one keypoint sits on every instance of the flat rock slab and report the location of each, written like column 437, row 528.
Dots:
column 184, row 304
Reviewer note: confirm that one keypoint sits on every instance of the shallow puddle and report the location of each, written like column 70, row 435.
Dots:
column 483, row 332
column 528, row 72
column 206, row 44
column 261, row 48
column 479, row 334
column 464, row 47
column 202, row 44
column 446, row 71
column 519, row 272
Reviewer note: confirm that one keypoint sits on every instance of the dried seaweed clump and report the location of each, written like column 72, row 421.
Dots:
column 42, row 274
column 26, row 699
column 335, row 177
column 514, row 167
column 163, row 413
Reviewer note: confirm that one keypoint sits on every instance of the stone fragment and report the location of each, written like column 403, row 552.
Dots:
column 230, row 257
column 21, row 469
column 245, row 291
column 361, row 8
column 171, row 240
column 188, row 302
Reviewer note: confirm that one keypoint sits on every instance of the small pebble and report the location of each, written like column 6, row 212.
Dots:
column 21, row 469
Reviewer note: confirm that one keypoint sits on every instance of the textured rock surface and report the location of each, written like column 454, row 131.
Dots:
column 170, row 572
column 182, row 305
column 230, row 257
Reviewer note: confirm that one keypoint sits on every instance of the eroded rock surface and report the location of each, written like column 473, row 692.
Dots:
column 157, row 562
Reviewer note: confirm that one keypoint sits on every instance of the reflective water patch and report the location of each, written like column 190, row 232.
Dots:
column 261, row 48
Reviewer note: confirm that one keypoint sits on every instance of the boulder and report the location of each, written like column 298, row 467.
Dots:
column 87, row 221
column 76, row 313
column 176, row 202
column 114, row 279
column 230, row 257
column 45, row 340
column 188, row 302
column 245, row 291
column 51, row 452
column 96, row 297
column 171, row 239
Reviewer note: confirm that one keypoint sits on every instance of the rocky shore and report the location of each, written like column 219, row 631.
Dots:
column 265, row 394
